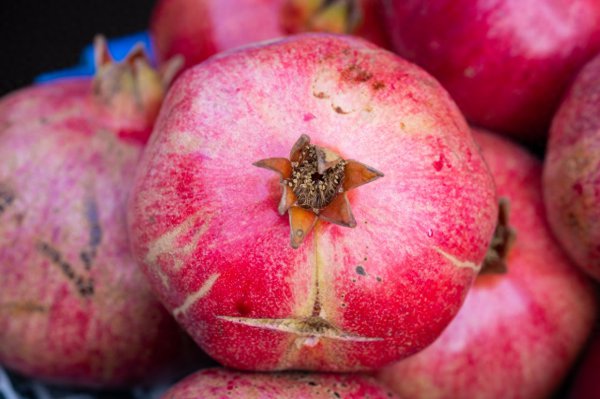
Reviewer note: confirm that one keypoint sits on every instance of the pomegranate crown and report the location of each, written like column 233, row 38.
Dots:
column 315, row 181
column 132, row 89
column 496, row 258
column 334, row 16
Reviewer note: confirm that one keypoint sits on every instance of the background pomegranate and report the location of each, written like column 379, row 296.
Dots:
column 505, row 63
column 204, row 221
column 572, row 171
column 74, row 307
column 517, row 333
column 223, row 384
column 198, row 29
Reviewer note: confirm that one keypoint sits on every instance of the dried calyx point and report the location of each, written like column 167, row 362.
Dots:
column 504, row 237
column 132, row 88
column 333, row 16
column 314, row 181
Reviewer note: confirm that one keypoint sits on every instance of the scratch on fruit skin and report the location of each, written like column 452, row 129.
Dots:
column 168, row 241
column 297, row 326
column 88, row 255
column 196, row 296
column 457, row 262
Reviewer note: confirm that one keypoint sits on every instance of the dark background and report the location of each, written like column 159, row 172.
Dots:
column 47, row 35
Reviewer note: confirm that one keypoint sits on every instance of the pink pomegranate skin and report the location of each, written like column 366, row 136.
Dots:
column 197, row 29
column 74, row 307
column 224, row 384
column 518, row 333
column 572, row 171
column 505, row 63
column 204, row 223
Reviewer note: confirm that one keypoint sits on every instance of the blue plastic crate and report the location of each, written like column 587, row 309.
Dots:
column 119, row 47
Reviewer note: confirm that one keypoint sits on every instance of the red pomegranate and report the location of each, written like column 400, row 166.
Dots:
column 198, row 29
column 506, row 63
column 365, row 275
column 226, row 384
column 572, row 171
column 74, row 307
column 518, row 332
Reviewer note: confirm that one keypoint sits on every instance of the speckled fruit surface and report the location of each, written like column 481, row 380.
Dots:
column 225, row 384
column 518, row 333
column 204, row 220
column 572, row 171
column 505, row 63
column 74, row 307
column 198, row 29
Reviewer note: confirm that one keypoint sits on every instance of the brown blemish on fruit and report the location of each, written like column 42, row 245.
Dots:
column 320, row 95
column 339, row 110
column 7, row 197
column 23, row 307
column 378, row 85
column 85, row 286
column 355, row 73
column 361, row 270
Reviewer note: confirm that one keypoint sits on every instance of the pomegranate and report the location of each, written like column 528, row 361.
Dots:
column 519, row 330
column 198, row 29
column 74, row 307
column 365, row 275
column 224, row 384
column 506, row 63
column 572, row 171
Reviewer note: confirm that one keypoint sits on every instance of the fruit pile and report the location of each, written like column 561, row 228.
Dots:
column 313, row 199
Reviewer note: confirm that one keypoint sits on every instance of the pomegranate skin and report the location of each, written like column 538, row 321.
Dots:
column 198, row 29
column 224, row 384
column 518, row 333
column 74, row 306
column 204, row 223
column 505, row 63
column 572, row 171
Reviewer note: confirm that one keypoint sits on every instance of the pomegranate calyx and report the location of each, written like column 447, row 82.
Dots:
column 132, row 90
column 495, row 261
column 314, row 184
column 334, row 16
